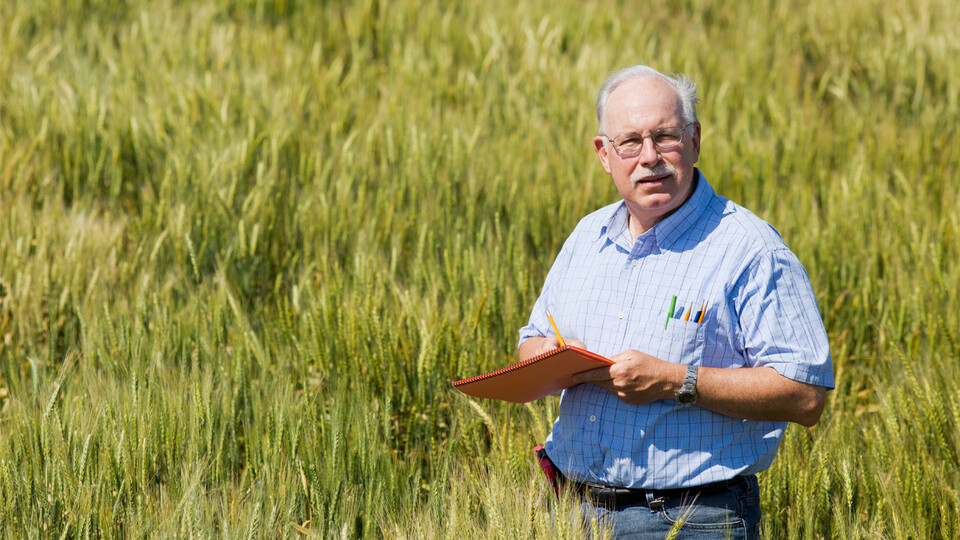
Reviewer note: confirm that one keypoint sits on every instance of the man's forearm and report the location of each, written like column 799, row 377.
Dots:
column 759, row 394
column 748, row 393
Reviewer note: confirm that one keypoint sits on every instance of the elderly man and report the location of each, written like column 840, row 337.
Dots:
column 709, row 317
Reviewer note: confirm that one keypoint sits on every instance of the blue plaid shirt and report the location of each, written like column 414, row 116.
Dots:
column 614, row 295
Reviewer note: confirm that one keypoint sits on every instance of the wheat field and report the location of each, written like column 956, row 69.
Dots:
column 247, row 245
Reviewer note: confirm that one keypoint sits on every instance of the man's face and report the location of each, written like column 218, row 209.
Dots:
column 653, row 183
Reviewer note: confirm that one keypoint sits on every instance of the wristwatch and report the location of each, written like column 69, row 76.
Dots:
column 687, row 395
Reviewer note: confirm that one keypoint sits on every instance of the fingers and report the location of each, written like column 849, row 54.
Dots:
column 598, row 375
column 633, row 378
column 545, row 345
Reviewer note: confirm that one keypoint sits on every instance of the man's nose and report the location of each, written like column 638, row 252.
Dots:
column 649, row 155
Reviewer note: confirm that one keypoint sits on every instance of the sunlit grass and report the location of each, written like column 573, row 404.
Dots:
column 246, row 246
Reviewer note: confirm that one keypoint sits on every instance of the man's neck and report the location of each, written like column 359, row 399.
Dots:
column 638, row 227
column 634, row 226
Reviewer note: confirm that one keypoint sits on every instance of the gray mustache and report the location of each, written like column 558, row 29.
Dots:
column 662, row 168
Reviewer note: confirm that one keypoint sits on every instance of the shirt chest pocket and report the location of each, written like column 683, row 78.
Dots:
column 681, row 342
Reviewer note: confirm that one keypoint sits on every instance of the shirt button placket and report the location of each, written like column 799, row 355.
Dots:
column 597, row 459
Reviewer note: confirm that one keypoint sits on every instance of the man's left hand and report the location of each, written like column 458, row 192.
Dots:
column 636, row 377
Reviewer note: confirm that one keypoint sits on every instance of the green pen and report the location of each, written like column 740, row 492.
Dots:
column 673, row 304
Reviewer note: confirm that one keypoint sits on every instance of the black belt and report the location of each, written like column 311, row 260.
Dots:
column 612, row 496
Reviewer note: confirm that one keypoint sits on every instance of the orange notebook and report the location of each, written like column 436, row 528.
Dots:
column 533, row 378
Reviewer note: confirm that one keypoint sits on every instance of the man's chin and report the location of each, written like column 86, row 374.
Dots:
column 653, row 207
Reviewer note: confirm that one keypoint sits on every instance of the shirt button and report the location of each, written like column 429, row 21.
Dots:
column 593, row 418
column 635, row 262
column 620, row 315
column 595, row 471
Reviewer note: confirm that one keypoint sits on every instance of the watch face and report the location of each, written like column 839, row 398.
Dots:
column 686, row 395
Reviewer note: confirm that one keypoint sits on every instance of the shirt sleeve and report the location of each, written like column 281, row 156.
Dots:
column 539, row 325
column 780, row 323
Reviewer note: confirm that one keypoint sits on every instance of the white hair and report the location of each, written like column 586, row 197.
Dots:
column 686, row 90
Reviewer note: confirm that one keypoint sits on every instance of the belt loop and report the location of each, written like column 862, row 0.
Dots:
column 654, row 503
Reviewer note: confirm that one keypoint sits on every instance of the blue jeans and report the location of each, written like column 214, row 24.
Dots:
column 734, row 513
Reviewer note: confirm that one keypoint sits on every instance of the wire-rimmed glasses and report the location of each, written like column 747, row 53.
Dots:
column 666, row 138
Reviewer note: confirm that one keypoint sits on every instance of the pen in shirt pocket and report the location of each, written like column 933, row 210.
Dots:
column 699, row 316
column 684, row 313
column 673, row 305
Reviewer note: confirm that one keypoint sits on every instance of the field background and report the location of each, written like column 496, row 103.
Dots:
column 246, row 245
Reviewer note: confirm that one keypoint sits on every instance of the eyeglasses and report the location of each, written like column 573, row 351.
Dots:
column 630, row 144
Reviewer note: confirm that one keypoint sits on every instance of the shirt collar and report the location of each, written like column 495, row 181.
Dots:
column 668, row 231
column 676, row 224
column 615, row 224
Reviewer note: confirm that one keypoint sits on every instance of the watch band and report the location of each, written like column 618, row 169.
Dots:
column 691, row 377
column 688, row 395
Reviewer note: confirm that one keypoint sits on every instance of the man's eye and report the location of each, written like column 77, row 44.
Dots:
column 667, row 138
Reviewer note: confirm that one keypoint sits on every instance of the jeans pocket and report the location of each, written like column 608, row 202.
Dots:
column 720, row 511
column 734, row 513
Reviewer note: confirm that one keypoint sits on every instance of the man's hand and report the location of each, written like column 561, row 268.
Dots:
column 637, row 377
column 536, row 346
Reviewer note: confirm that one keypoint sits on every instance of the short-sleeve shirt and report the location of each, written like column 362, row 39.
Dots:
column 742, row 300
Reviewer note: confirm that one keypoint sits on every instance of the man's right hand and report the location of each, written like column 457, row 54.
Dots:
column 536, row 346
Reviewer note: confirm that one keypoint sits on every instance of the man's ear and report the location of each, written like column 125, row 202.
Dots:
column 696, row 142
column 600, row 148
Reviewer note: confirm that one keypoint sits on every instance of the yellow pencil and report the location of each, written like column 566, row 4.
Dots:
column 687, row 316
column 703, row 311
column 559, row 337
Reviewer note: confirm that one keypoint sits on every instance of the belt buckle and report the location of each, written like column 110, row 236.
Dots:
column 655, row 503
column 590, row 486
